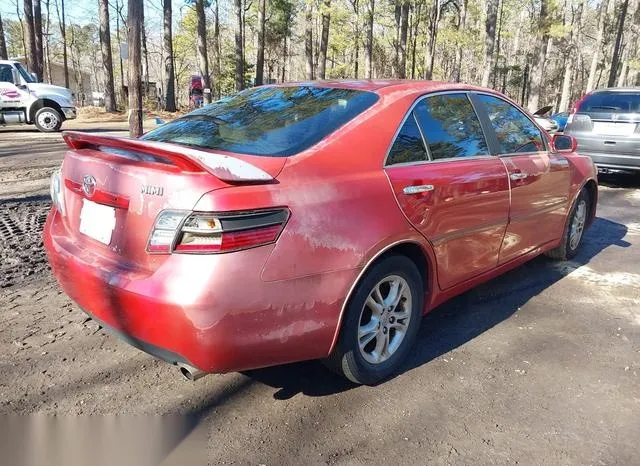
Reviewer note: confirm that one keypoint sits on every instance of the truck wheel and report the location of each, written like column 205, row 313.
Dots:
column 48, row 120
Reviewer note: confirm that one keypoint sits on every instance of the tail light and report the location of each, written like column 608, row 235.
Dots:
column 575, row 108
column 197, row 232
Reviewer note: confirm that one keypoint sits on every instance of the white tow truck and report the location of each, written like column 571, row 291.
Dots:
column 23, row 100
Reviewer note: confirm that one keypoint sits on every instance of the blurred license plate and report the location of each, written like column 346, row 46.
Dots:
column 97, row 221
column 614, row 129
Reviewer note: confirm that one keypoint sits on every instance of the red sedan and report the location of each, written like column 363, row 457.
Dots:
column 310, row 220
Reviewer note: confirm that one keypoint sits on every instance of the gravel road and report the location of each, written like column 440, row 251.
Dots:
column 539, row 366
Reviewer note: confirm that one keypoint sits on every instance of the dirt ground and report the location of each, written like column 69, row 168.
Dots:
column 539, row 366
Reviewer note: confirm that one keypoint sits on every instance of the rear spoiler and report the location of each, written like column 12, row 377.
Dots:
column 224, row 167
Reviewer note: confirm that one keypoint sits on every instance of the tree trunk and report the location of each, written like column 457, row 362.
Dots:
column 135, row 21
column 356, row 36
column 260, row 53
column 576, row 22
column 170, row 78
column 432, row 40
column 489, row 40
column 308, row 39
column 622, row 15
column 595, row 59
column 459, row 48
column 3, row 44
column 47, row 42
column 238, row 49
column 496, row 57
column 203, row 60
column 107, row 58
column 37, row 30
column 216, row 43
column 404, row 23
column 63, row 35
column 537, row 71
column 284, row 58
column 623, row 74
column 369, row 54
column 32, row 60
column 145, row 57
column 119, row 8
column 324, row 39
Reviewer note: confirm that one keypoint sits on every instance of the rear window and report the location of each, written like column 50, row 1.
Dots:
column 620, row 102
column 270, row 121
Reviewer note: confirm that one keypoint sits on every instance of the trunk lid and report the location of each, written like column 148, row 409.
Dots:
column 114, row 188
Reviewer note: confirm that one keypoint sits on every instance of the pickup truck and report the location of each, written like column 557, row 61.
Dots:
column 23, row 100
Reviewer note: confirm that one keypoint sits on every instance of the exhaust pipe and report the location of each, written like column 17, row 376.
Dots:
column 190, row 372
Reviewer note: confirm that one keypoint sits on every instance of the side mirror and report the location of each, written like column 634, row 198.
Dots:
column 564, row 143
column 16, row 76
column 34, row 76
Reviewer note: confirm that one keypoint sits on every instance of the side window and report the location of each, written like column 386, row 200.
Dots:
column 516, row 133
column 5, row 74
column 451, row 127
column 408, row 146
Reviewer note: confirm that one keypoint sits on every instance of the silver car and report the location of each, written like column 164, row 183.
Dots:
column 606, row 125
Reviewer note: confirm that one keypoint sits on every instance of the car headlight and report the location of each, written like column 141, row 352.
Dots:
column 57, row 190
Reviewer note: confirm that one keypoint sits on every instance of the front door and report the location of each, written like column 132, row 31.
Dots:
column 539, row 180
column 449, row 187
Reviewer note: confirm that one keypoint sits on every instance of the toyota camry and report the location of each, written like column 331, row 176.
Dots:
column 314, row 220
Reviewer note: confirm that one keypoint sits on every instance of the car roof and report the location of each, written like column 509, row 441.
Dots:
column 398, row 87
column 617, row 89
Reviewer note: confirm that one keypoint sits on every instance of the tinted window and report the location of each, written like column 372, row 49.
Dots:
column 621, row 102
column 408, row 146
column 273, row 121
column 451, row 127
column 515, row 132
column 5, row 74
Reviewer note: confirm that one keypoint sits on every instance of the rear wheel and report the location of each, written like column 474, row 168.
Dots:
column 575, row 229
column 380, row 323
column 48, row 120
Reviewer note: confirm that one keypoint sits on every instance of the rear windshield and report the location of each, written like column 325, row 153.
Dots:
column 620, row 102
column 271, row 121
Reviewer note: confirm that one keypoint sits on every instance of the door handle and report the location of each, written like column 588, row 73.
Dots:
column 518, row 176
column 423, row 188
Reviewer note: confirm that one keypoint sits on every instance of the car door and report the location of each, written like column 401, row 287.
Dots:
column 449, row 187
column 539, row 179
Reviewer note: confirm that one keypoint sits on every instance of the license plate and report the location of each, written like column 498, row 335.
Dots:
column 614, row 129
column 97, row 221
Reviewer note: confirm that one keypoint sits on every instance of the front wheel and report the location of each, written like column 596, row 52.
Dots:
column 574, row 231
column 380, row 322
column 48, row 120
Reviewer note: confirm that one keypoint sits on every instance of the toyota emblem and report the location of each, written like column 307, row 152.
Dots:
column 89, row 185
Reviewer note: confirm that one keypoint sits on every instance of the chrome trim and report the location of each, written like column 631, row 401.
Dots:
column 408, row 190
column 518, row 176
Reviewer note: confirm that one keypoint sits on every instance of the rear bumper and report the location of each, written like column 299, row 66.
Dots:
column 213, row 312
column 614, row 161
column 69, row 113
column 610, row 151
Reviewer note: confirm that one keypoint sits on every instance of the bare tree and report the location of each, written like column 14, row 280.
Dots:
column 369, row 46
column 615, row 61
column 459, row 49
column 356, row 37
column 135, row 20
column 432, row 38
column 308, row 39
column 576, row 22
column 37, row 30
column 3, row 44
column 203, row 60
column 260, row 53
column 32, row 60
column 239, row 49
column 537, row 71
column 107, row 58
column 489, row 39
column 217, row 66
column 169, row 85
column 324, row 39
column 595, row 58
column 63, row 34
column 404, row 24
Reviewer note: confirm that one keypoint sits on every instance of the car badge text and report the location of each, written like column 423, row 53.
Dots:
column 153, row 190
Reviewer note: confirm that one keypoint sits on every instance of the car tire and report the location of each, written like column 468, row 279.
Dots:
column 574, row 231
column 358, row 355
column 48, row 120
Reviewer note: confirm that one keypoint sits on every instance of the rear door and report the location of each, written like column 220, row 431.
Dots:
column 539, row 179
column 449, row 187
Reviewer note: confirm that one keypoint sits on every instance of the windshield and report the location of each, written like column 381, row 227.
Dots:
column 270, row 121
column 619, row 102
column 24, row 73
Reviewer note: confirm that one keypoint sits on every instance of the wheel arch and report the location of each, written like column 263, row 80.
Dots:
column 41, row 103
column 591, row 187
column 413, row 249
